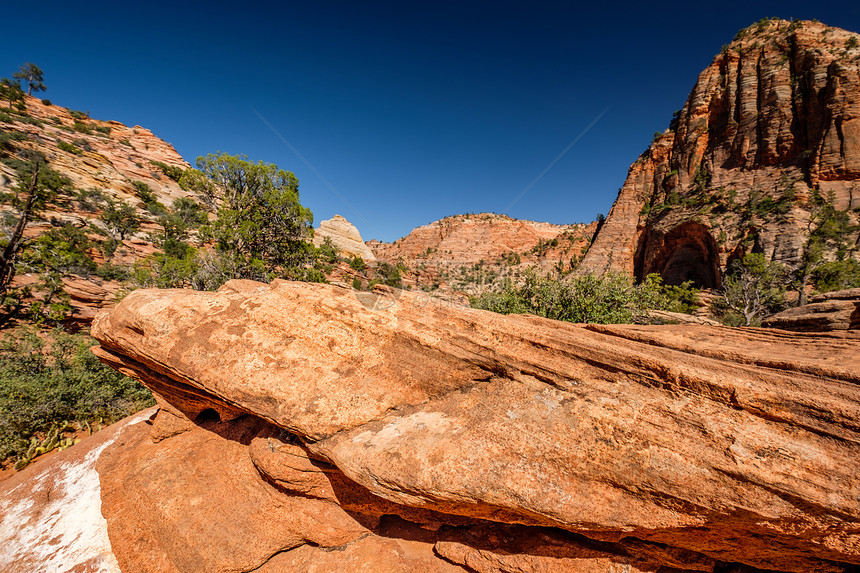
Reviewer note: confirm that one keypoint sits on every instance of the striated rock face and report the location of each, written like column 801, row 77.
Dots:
column 460, row 251
column 111, row 156
column 95, row 155
column 838, row 310
column 773, row 121
column 344, row 236
column 305, row 427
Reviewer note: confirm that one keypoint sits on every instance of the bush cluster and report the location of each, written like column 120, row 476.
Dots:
column 50, row 378
column 612, row 298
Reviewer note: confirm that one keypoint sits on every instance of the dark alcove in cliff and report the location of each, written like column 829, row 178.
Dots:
column 686, row 253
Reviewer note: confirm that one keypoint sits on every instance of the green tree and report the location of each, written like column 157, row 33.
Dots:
column 753, row 288
column 828, row 229
column 120, row 218
column 37, row 184
column 837, row 275
column 176, row 225
column 357, row 264
column 10, row 90
column 31, row 75
column 261, row 230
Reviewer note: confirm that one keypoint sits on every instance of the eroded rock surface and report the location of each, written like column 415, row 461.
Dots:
column 463, row 252
column 839, row 310
column 346, row 425
column 771, row 129
column 344, row 237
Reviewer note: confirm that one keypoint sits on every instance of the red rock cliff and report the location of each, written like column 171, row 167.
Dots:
column 770, row 124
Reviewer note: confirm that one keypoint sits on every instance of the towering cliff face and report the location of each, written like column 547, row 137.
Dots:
column 769, row 135
column 462, row 250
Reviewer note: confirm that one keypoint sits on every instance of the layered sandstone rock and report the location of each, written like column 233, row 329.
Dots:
column 344, row 237
column 773, row 119
column 309, row 427
column 111, row 156
column 106, row 156
column 465, row 251
column 838, row 310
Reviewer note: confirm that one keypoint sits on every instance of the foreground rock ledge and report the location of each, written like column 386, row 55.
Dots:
column 411, row 435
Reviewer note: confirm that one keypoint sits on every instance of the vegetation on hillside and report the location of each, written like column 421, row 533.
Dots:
column 244, row 221
column 612, row 298
column 50, row 381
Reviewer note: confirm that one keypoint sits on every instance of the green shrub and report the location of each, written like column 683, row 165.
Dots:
column 68, row 147
column 357, row 264
column 356, row 283
column 103, row 129
column 82, row 144
column 654, row 294
column 50, row 378
column 46, row 102
column 172, row 172
column 7, row 137
column 149, row 198
column 90, row 200
column 79, row 114
column 62, row 250
column 327, row 253
column 608, row 299
column 29, row 120
column 389, row 275
column 111, row 272
column 81, row 127
column 604, row 299
column 837, row 275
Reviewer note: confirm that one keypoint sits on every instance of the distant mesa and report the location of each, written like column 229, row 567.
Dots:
column 344, row 237
column 465, row 252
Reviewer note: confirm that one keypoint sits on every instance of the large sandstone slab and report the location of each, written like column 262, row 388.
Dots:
column 660, row 444
column 838, row 310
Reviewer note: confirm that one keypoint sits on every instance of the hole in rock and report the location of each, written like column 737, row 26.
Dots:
column 207, row 415
column 686, row 253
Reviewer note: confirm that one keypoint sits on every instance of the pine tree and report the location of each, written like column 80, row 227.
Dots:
column 31, row 75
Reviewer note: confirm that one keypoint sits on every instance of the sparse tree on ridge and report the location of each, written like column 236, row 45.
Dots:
column 31, row 75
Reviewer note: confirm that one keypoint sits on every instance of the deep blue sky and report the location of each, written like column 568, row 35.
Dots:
column 410, row 110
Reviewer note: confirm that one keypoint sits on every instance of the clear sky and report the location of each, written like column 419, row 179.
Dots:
column 404, row 112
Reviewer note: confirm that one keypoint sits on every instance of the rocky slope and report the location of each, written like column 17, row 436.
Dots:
column 95, row 155
column 465, row 251
column 769, row 131
column 438, row 438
